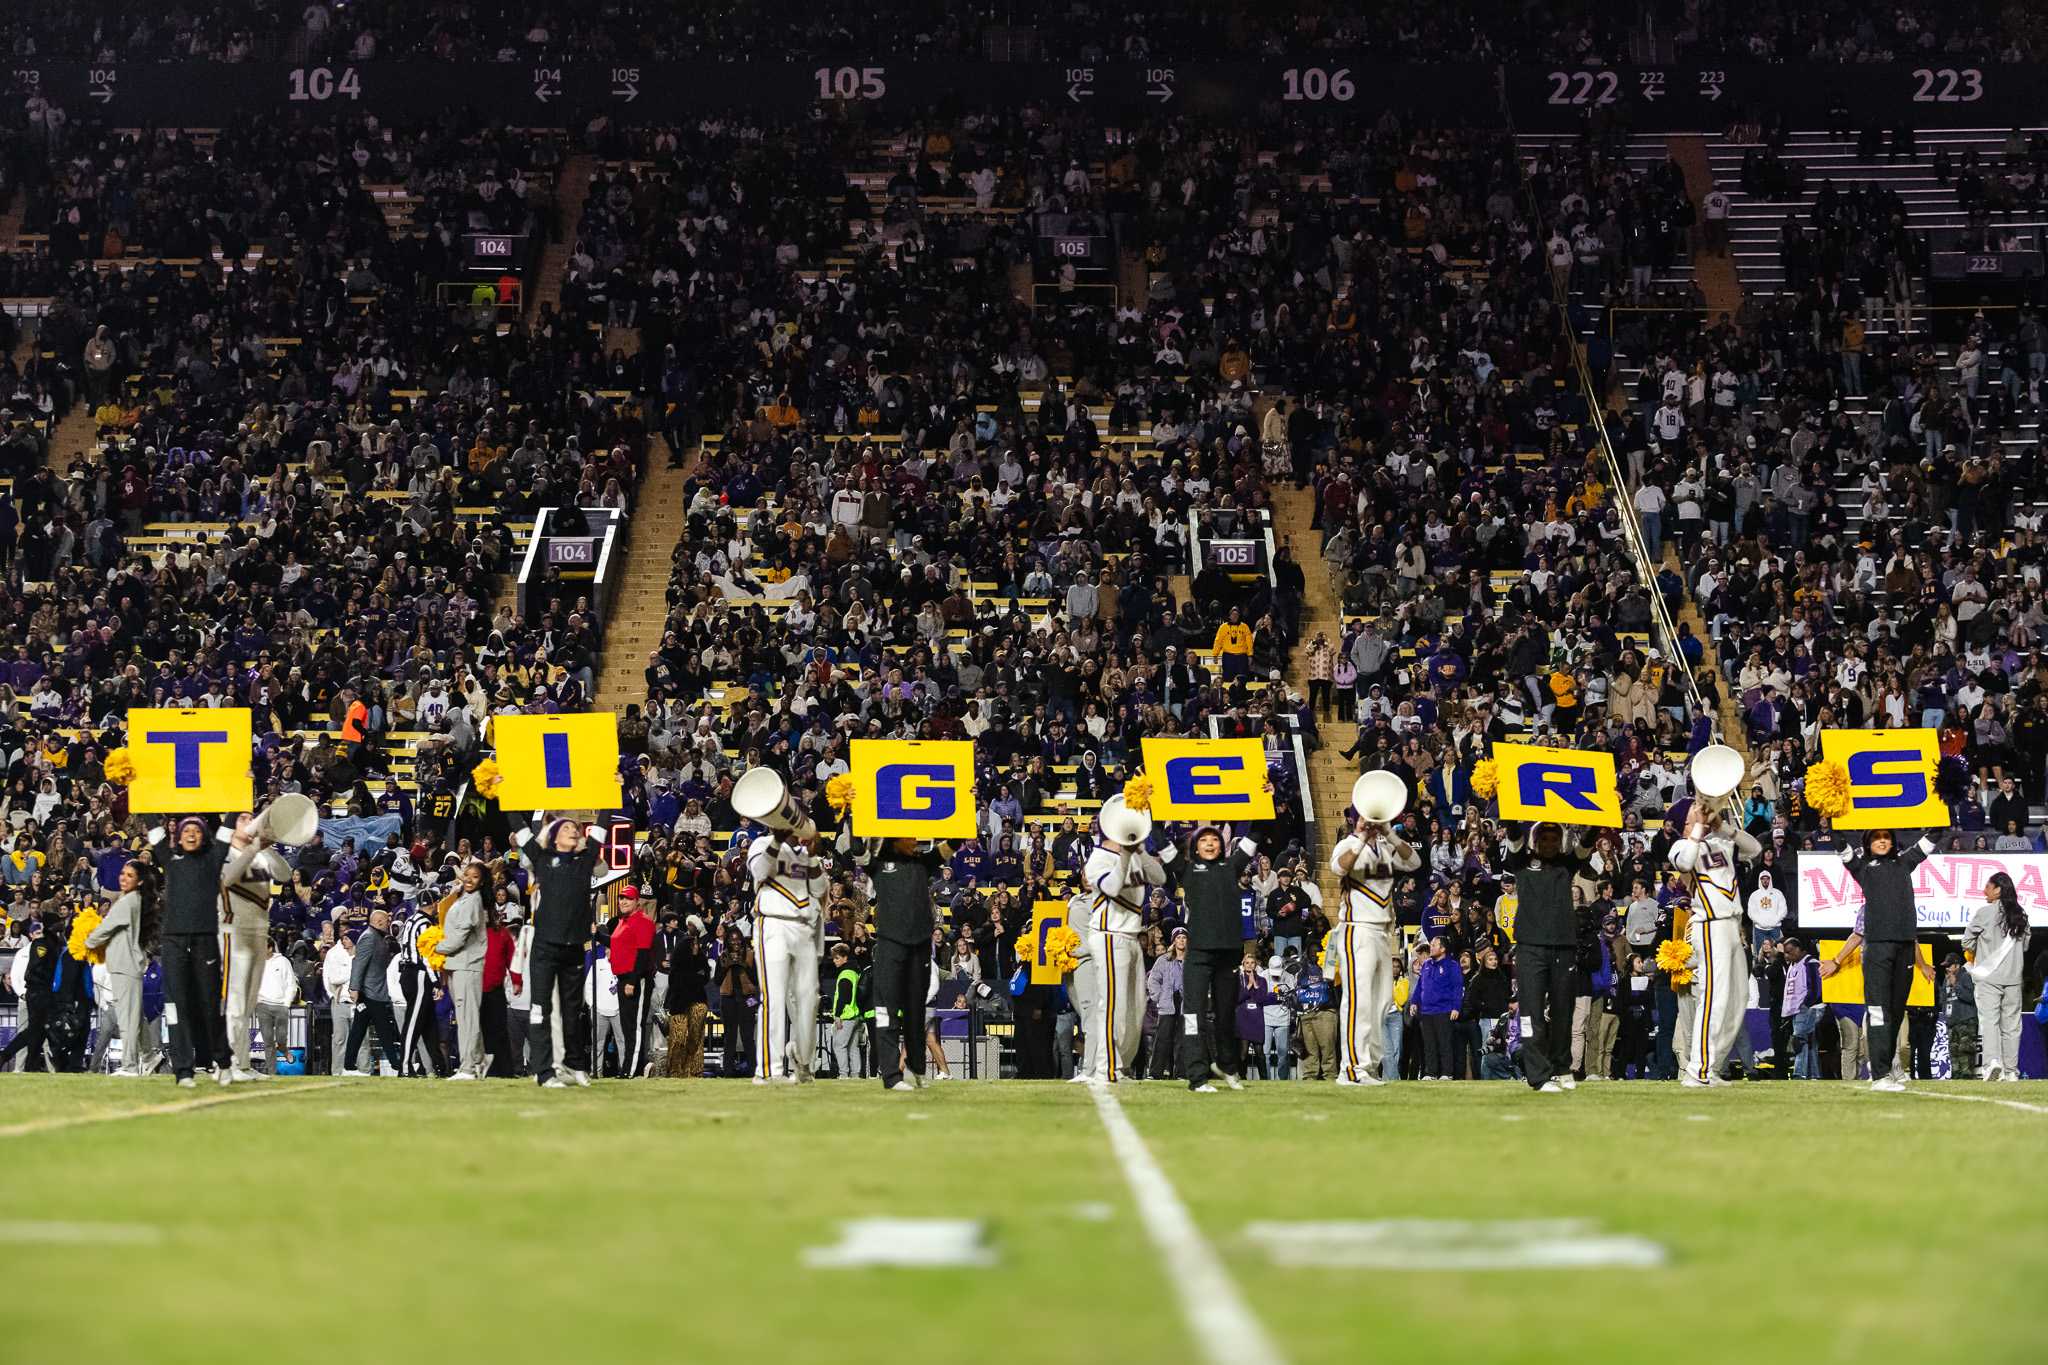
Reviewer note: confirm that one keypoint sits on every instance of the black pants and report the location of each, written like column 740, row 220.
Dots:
column 1887, row 982
column 377, row 1012
column 1437, row 1059
column 633, row 1020
column 1543, row 981
column 32, row 1036
column 1209, row 997
column 192, row 977
column 1920, row 1040
column 902, row 975
column 1781, row 1047
column 497, row 1033
column 556, row 969
column 1166, row 1040
column 422, row 1022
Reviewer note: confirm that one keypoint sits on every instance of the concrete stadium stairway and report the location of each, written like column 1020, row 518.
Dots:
column 640, row 606
column 1330, row 774
column 572, row 187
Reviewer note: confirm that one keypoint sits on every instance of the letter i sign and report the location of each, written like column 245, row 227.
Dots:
column 558, row 762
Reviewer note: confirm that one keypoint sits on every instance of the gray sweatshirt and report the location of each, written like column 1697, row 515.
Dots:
column 1986, row 940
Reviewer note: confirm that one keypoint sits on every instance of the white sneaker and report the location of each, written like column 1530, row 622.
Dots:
column 1889, row 1085
column 1550, row 1088
column 1204, row 1089
column 1592, row 1076
column 760, row 1080
column 1232, row 1081
column 900, row 1085
column 363, row 1075
column 581, row 1078
column 2011, row 1077
column 1568, row 1082
column 1994, row 1072
column 125, row 1073
column 942, row 1076
column 238, row 1074
column 187, row 1083
column 917, row 1080
column 1692, row 1083
column 461, row 1076
column 554, row 1083
column 221, row 1074
column 1717, row 1079
column 1364, row 1078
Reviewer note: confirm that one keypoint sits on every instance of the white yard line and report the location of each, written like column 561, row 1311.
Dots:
column 13, row 1130
column 2021, row 1105
column 1222, row 1324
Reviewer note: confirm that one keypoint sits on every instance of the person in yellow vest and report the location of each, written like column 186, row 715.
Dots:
column 1506, row 905
column 1233, row 646
column 1564, row 688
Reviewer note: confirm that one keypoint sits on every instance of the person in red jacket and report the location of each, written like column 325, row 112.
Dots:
column 498, row 947
column 633, row 964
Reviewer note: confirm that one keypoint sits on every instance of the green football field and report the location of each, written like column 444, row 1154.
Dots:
column 366, row 1220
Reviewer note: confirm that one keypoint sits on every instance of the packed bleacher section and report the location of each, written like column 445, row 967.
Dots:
column 935, row 491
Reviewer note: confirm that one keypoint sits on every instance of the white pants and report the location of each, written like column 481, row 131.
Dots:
column 1081, row 994
column 1720, row 985
column 1998, row 1025
column 1118, row 1019
column 1365, row 959
column 246, row 956
column 787, row 953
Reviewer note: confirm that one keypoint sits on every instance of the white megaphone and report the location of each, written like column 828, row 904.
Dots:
column 291, row 819
column 1716, row 770
column 761, row 796
column 1122, row 825
column 1379, row 797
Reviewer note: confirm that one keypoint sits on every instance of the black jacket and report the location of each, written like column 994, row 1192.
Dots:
column 903, row 893
column 1887, row 882
column 191, row 886
column 1543, row 887
column 562, row 917
column 1215, row 901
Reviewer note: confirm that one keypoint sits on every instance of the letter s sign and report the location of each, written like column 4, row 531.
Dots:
column 915, row 791
column 1898, row 789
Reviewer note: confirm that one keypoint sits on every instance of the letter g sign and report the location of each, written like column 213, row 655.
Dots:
column 915, row 791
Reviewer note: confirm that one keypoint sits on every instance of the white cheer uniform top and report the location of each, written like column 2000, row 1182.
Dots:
column 1118, row 884
column 789, row 881
column 1369, row 885
column 1709, row 865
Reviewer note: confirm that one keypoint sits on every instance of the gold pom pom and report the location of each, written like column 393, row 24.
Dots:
column 119, row 767
column 1674, row 956
column 1827, row 787
column 839, row 791
column 1138, row 793
column 1063, row 949
column 82, row 924
column 429, row 939
column 1485, row 779
column 488, row 778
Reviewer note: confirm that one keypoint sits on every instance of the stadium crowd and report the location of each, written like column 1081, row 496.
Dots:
column 923, row 504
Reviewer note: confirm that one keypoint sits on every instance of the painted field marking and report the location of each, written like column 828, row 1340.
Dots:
column 80, row 1234
column 1434, row 1244
column 1222, row 1325
column 2021, row 1105
column 157, row 1110
column 915, row 1243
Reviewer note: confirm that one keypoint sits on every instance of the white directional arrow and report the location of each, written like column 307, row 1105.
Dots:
column 102, row 93
column 543, row 93
column 628, row 92
column 1078, row 92
column 1160, row 92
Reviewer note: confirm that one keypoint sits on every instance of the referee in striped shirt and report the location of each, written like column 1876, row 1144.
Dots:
column 421, row 1026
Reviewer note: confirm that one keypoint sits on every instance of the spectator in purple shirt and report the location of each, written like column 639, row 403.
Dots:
column 1438, row 997
column 1803, row 1007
